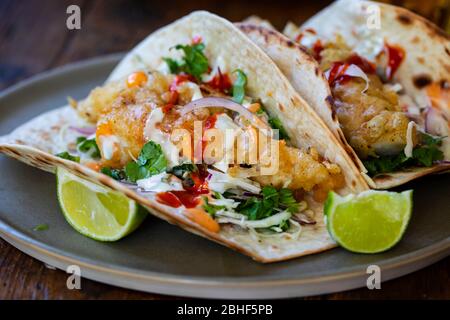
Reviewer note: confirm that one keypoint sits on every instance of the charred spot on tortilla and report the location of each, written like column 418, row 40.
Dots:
column 317, row 71
column 290, row 43
column 447, row 67
column 303, row 50
column 330, row 100
column 416, row 39
column 404, row 18
column 422, row 80
column 281, row 107
column 444, row 84
column 421, row 60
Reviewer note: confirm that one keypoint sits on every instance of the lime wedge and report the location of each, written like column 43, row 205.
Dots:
column 96, row 211
column 370, row 222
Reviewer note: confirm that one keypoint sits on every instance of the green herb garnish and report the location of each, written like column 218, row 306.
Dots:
column 275, row 123
column 116, row 174
column 68, row 156
column 423, row 155
column 271, row 202
column 88, row 146
column 41, row 227
column 150, row 161
column 173, row 65
column 194, row 61
column 239, row 84
column 181, row 170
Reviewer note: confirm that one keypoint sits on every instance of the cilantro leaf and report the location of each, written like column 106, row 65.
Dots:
column 181, row 170
column 282, row 227
column 287, row 200
column 151, row 161
column 239, row 84
column 423, row 155
column 173, row 65
column 135, row 172
column 68, row 156
column 427, row 155
column 275, row 123
column 194, row 61
column 116, row 174
column 271, row 202
column 41, row 227
column 88, row 146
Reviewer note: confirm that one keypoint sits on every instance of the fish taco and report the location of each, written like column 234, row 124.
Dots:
column 382, row 89
column 165, row 129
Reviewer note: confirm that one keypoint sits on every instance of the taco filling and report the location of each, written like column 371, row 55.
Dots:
column 387, row 129
column 141, row 124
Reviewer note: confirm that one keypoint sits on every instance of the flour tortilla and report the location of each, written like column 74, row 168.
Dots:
column 36, row 141
column 398, row 26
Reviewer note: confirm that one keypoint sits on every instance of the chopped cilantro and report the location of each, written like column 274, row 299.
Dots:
column 181, row 170
column 271, row 202
column 423, row 155
column 275, row 123
column 68, row 156
column 150, row 161
column 239, row 84
column 41, row 227
column 282, row 227
column 88, row 146
column 428, row 152
column 116, row 174
column 194, row 61
column 173, row 65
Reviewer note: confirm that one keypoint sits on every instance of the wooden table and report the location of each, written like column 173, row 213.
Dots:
column 34, row 38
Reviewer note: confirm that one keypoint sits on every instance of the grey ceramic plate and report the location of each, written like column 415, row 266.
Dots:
column 162, row 258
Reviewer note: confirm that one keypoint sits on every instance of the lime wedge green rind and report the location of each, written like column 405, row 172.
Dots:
column 96, row 211
column 370, row 222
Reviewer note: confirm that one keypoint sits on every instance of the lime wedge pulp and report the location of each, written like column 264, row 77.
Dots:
column 94, row 210
column 370, row 222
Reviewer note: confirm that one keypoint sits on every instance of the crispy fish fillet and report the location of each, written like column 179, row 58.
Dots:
column 121, row 114
column 371, row 119
column 117, row 94
column 299, row 170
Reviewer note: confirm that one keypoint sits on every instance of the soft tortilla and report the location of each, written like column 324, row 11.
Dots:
column 36, row 141
column 399, row 26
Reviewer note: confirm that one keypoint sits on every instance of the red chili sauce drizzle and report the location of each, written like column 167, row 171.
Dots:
column 337, row 71
column 190, row 197
column 395, row 56
column 300, row 36
column 221, row 82
column 317, row 49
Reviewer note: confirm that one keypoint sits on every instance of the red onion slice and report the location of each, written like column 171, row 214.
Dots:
column 213, row 102
column 83, row 130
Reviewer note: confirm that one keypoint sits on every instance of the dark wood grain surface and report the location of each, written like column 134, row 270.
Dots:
column 34, row 38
